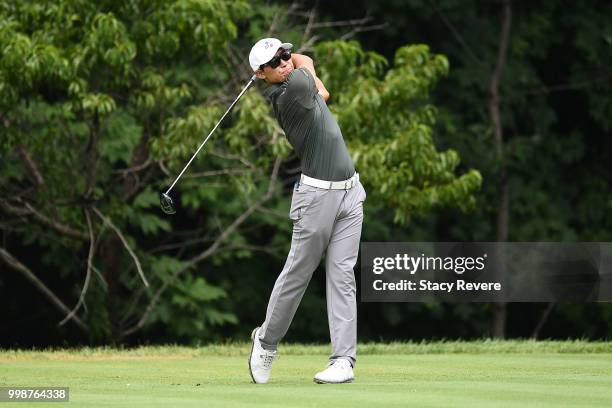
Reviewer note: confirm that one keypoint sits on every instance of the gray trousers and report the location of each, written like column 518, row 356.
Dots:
column 323, row 220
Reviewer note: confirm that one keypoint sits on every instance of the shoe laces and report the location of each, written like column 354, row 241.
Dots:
column 340, row 363
column 268, row 358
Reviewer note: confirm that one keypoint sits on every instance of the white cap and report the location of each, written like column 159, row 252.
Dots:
column 264, row 50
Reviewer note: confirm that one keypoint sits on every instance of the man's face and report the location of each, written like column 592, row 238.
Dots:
column 278, row 74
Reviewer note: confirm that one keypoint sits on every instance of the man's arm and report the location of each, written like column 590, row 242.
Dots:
column 305, row 61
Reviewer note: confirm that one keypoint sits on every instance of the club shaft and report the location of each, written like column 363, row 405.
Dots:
column 212, row 131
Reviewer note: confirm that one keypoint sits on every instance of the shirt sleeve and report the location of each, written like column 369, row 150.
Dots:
column 301, row 87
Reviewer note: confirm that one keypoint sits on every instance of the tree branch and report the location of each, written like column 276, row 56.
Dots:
column 547, row 89
column 107, row 221
column 207, row 253
column 455, row 33
column 279, row 16
column 276, row 214
column 13, row 263
column 202, row 237
column 496, row 78
column 43, row 219
column 342, row 23
column 261, row 248
column 92, row 244
column 311, row 16
column 230, row 156
column 31, row 166
column 92, row 155
column 363, row 29
column 210, row 173
column 134, row 169
column 542, row 321
column 236, row 63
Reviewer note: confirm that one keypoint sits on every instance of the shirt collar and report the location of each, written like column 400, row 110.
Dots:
column 271, row 90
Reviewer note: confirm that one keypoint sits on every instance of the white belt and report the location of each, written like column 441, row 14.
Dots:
column 330, row 185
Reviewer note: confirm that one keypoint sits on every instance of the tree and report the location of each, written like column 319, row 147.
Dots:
column 551, row 98
column 102, row 104
column 86, row 90
column 389, row 124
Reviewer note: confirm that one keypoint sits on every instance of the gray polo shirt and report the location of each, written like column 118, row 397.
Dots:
column 310, row 127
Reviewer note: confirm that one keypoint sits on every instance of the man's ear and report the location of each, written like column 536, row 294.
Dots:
column 260, row 74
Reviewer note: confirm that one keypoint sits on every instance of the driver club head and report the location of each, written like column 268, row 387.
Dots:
column 166, row 203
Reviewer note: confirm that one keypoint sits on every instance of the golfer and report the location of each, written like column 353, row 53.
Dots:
column 326, row 210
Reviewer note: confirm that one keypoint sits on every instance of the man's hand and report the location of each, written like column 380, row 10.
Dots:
column 305, row 61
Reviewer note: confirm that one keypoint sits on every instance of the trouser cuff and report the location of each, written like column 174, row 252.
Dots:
column 266, row 346
column 349, row 358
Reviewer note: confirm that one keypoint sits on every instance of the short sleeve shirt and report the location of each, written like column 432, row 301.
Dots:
column 310, row 127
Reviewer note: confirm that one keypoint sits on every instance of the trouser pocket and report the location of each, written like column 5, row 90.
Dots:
column 364, row 194
column 302, row 198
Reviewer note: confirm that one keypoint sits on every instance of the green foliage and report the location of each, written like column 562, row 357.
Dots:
column 189, row 313
column 109, row 99
column 86, row 90
column 388, row 123
column 117, row 150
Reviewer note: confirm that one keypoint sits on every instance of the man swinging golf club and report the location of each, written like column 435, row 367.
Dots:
column 326, row 210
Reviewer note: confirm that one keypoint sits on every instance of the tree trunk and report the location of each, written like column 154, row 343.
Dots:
column 542, row 321
column 16, row 265
column 498, row 324
column 111, row 255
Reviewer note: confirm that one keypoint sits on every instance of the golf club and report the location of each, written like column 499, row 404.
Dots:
column 165, row 201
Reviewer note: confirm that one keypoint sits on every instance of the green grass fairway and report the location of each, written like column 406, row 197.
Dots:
column 439, row 374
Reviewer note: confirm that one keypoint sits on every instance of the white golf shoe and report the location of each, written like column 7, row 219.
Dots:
column 338, row 371
column 260, row 360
